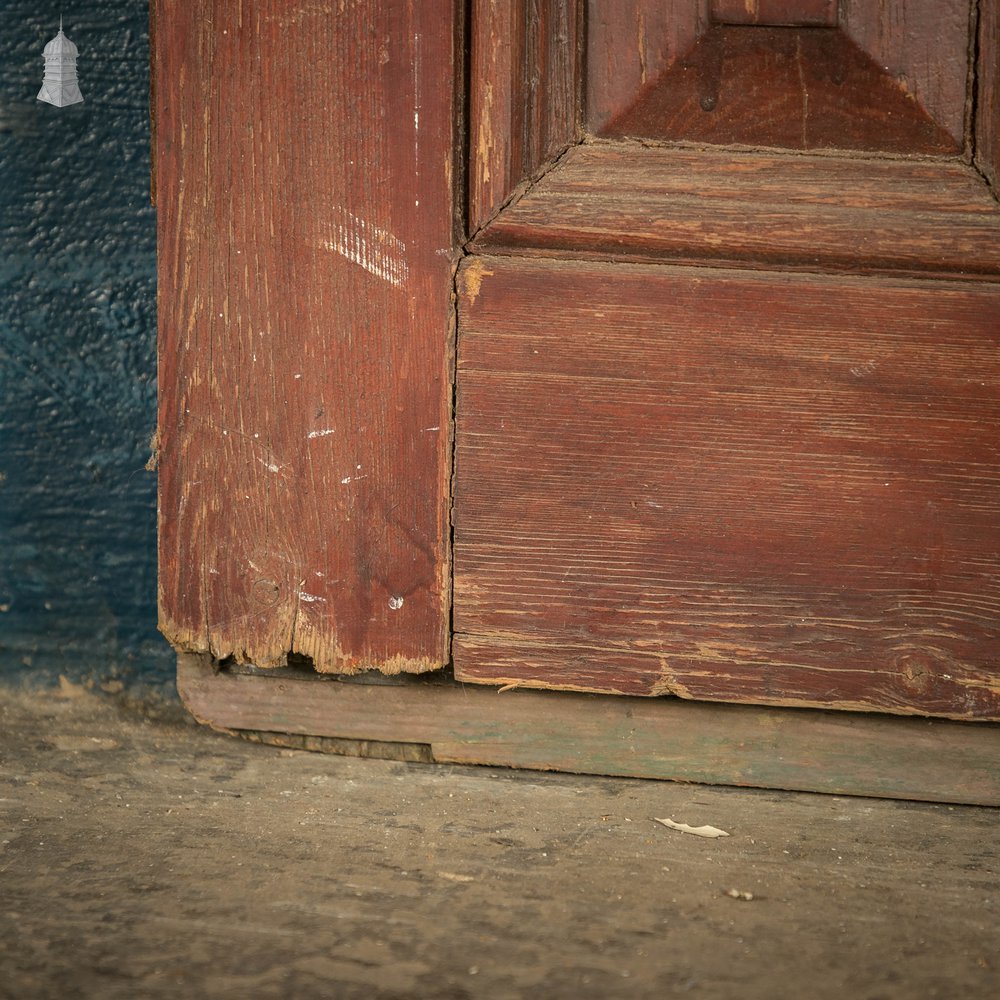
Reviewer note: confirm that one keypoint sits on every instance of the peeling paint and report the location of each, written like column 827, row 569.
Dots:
column 471, row 277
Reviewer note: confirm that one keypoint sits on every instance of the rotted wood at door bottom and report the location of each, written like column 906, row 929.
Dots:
column 773, row 488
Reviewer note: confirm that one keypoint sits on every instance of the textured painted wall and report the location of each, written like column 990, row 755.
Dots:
column 77, row 352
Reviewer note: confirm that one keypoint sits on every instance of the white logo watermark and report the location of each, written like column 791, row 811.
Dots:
column 60, row 86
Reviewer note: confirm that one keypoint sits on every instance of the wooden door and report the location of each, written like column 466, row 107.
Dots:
column 729, row 363
column 727, row 300
column 307, row 245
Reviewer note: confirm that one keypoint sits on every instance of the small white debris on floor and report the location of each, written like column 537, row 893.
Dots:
column 697, row 831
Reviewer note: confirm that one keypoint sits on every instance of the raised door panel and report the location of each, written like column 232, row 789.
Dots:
column 893, row 76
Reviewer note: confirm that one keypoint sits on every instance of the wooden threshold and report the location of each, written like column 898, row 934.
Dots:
column 627, row 201
column 808, row 750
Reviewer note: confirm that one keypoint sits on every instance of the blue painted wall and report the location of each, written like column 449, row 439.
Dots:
column 77, row 353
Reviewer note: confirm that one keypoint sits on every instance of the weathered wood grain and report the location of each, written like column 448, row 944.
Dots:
column 806, row 750
column 523, row 99
column 761, row 487
column 793, row 88
column 306, row 247
column 629, row 44
column 987, row 120
column 813, row 13
column 922, row 47
column 628, row 201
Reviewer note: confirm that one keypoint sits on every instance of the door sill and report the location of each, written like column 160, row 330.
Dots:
column 809, row 750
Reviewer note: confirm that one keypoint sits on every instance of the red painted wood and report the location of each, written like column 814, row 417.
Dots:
column 794, row 88
column 306, row 240
column 924, row 46
column 523, row 101
column 987, row 125
column 803, row 13
column 920, row 46
column 629, row 44
column 735, row 486
column 626, row 201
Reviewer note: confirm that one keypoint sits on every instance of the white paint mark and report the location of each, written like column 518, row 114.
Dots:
column 270, row 466
column 310, row 598
column 395, row 603
column 322, row 433
column 298, row 376
column 426, row 429
column 351, row 479
column 658, row 506
column 376, row 250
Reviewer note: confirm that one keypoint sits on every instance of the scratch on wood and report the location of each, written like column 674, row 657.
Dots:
column 371, row 247
column 310, row 598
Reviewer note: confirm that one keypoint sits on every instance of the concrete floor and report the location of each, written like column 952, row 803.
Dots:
column 143, row 856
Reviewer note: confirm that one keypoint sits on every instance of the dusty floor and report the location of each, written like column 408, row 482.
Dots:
column 143, row 856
